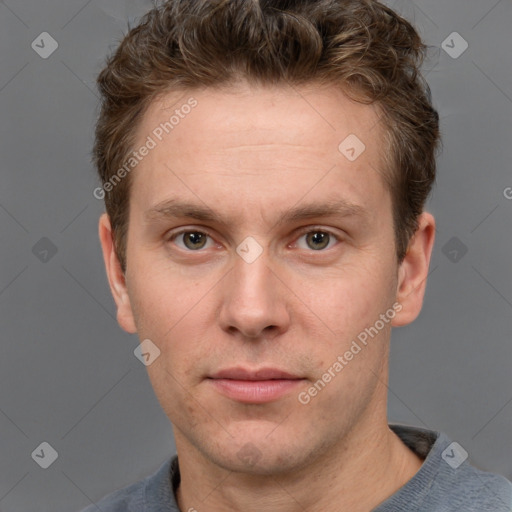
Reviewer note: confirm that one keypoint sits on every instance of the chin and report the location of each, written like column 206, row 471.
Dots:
column 258, row 456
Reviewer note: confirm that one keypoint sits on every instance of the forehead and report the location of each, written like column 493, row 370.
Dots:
column 258, row 142
column 256, row 114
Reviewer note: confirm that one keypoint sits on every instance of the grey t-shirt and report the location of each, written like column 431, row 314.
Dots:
column 446, row 482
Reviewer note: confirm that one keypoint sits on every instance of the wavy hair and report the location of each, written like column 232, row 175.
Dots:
column 362, row 46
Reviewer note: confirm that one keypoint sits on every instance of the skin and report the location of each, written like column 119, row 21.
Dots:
column 249, row 154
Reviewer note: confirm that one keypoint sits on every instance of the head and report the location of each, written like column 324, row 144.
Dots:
column 278, row 106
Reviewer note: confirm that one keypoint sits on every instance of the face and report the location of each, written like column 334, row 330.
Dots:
column 258, row 255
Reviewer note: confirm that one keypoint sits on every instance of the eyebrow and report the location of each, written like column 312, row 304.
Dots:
column 177, row 208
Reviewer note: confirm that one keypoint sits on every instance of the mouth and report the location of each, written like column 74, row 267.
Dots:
column 254, row 386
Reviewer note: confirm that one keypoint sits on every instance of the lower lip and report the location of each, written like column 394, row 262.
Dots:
column 255, row 391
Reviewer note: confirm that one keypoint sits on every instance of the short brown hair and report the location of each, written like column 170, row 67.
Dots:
column 360, row 45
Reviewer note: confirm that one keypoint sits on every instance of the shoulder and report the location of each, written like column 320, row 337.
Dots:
column 446, row 481
column 127, row 499
column 477, row 490
column 466, row 485
column 153, row 493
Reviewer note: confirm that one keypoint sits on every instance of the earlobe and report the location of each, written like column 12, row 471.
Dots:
column 115, row 276
column 413, row 271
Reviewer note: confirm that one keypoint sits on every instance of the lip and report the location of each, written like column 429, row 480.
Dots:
column 239, row 373
column 254, row 386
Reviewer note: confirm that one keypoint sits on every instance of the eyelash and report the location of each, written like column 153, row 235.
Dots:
column 307, row 231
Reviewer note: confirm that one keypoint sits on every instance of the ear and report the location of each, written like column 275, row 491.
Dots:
column 413, row 271
column 115, row 276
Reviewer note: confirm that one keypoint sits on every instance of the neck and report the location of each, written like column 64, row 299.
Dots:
column 367, row 458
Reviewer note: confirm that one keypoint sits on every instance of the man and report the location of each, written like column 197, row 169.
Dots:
column 265, row 166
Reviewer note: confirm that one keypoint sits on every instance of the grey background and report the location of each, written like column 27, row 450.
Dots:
column 68, row 373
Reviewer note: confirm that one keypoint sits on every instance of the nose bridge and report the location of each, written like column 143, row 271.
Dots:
column 251, row 274
column 251, row 303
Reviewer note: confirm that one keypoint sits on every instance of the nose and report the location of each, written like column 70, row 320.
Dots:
column 254, row 299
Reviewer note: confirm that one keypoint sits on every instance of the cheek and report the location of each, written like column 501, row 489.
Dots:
column 160, row 298
column 346, row 300
column 173, row 394
column 175, row 312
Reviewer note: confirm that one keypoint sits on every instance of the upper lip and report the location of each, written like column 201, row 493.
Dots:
column 260, row 374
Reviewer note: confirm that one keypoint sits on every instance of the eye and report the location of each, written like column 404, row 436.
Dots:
column 318, row 239
column 192, row 240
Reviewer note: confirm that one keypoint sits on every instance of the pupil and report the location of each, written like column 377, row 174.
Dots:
column 318, row 237
column 194, row 238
